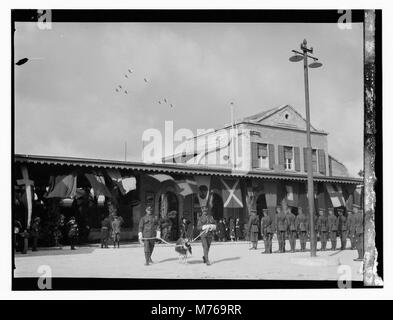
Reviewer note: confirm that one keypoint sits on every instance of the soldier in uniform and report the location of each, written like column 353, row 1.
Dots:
column 323, row 228
column 290, row 221
column 358, row 222
column 316, row 232
column 281, row 227
column 148, row 231
column 301, row 224
column 105, row 232
column 351, row 229
column 267, row 230
column 342, row 228
column 73, row 232
column 207, row 224
column 333, row 227
column 116, row 230
column 253, row 229
column 34, row 232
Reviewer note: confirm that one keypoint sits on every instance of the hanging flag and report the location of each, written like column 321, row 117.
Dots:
column 161, row 177
column 63, row 186
column 124, row 183
column 97, row 182
column 292, row 195
column 28, row 195
column 270, row 188
column 336, row 195
column 203, row 183
column 187, row 187
column 232, row 194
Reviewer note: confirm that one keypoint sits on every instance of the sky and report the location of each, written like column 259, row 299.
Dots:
column 66, row 102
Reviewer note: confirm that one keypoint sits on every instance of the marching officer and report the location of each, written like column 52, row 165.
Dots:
column 148, row 231
column 342, row 228
column 351, row 229
column 358, row 222
column 207, row 224
column 253, row 229
column 323, row 228
column 301, row 224
column 281, row 229
column 290, row 221
column 333, row 227
column 267, row 230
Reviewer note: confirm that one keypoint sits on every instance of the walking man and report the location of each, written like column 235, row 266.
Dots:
column 148, row 231
column 323, row 228
column 301, row 224
column 207, row 224
column 253, row 229
column 290, row 221
column 333, row 227
column 267, row 230
column 342, row 228
column 282, row 227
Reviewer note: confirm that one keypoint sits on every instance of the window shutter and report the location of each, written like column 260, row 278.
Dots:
column 321, row 161
column 281, row 160
column 297, row 158
column 305, row 159
column 271, row 156
column 254, row 155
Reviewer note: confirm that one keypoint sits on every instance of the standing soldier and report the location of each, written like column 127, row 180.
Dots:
column 281, row 227
column 238, row 230
column 301, row 224
column 342, row 228
column 267, row 230
column 316, row 232
column 148, row 231
column 207, row 224
column 358, row 222
column 34, row 232
column 290, row 221
column 105, row 232
column 73, row 232
column 253, row 229
column 323, row 228
column 351, row 229
column 333, row 227
column 116, row 229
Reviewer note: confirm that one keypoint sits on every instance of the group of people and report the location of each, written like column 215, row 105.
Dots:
column 229, row 229
column 111, row 229
column 287, row 225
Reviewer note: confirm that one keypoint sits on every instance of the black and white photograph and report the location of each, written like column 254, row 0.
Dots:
column 215, row 149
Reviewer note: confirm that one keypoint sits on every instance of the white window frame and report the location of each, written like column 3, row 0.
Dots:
column 289, row 165
column 263, row 163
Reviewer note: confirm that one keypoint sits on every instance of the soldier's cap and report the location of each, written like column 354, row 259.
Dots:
column 253, row 211
column 264, row 210
column 349, row 210
column 321, row 210
column 356, row 206
column 330, row 209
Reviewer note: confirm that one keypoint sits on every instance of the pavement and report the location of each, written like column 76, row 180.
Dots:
column 230, row 260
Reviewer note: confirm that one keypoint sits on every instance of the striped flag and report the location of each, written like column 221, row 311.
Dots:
column 336, row 195
column 187, row 187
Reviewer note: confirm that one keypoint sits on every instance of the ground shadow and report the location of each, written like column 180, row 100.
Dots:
column 226, row 259
column 57, row 252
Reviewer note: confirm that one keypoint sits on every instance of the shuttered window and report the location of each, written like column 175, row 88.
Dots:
column 297, row 158
column 271, row 156
column 321, row 161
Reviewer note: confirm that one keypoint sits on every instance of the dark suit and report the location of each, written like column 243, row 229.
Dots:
column 333, row 227
column 207, row 237
column 281, row 227
column 290, row 217
column 267, row 230
column 301, row 223
column 149, row 226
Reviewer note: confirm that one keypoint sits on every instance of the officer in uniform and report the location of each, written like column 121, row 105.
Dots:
column 333, row 227
column 105, row 231
column 267, row 230
column 358, row 222
column 207, row 224
column 323, row 228
column 301, row 224
column 342, row 228
column 290, row 221
column 282, row 227
column 148, row 231
column 351, row 229
column 253, row 229
column 34, row 232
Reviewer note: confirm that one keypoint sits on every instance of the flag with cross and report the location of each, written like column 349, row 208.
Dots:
column 231, row 193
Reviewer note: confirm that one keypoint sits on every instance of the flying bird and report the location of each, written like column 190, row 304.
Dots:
column 145, row 80
column 119, row 86
column 126, row 75
column 165, row 100
column 125, row 91
column 130, row 71
column 171, row 105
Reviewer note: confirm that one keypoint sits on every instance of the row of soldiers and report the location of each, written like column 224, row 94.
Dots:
column 287, row 225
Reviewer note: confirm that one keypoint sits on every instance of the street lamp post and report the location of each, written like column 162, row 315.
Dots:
column 299, row 56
